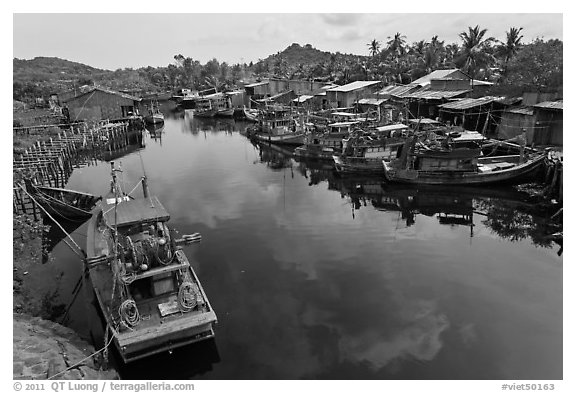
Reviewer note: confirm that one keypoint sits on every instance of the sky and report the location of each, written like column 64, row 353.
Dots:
column 119, row 40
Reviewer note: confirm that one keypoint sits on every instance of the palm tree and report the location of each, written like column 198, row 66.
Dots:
column 508, row 49
column 476, row 49
column 418, row 48
column 374, row 47
column 396, row 44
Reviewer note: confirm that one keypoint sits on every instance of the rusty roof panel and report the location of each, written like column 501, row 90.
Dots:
column 467, row 103
column 354, row 86
column 520, row 111
column 550, row 105
column 428, row 94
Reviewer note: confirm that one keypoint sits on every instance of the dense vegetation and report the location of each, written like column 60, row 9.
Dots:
column 516, row 66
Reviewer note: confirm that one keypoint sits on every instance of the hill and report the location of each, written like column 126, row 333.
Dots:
column 41, row 69
column 41, row 76
column 296, row 54
column 298, row 61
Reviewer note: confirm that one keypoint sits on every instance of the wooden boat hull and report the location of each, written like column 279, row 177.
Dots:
column 225, row 112
column 281, row 139
column 358, row 165
column 513, row 175
column 155, row 119
column 323, row 153
column 64, row 203
column 156, row 332
column 187, row 103
column 250, row 116
column 206, row 113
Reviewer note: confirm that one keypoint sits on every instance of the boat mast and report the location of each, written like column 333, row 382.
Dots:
column 115, row 190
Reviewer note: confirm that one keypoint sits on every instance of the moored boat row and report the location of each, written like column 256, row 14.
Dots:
column 418, row 153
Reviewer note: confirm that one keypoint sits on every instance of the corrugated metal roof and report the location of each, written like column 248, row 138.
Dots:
column 477, row 82
column 550, row 105
column 510, row 101
column 354, row 86
column 428, row 94
column 302, row 98
column 521, row 111
column 423, row 120
column 235, row 92
column 371, row 101
column 123, row 95
column 392, row 127
column 398, row 90
column 343, row 124
column 257, row 84
column 438, row 74
column 467, row 103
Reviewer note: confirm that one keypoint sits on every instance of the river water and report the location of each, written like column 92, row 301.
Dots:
column 319, row 277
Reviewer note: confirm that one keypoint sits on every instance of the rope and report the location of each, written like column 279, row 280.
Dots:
column 44, row 196
column 60, row 226
column 86, row 358
column 187, row 296
column 136, row 186
column 129, row 313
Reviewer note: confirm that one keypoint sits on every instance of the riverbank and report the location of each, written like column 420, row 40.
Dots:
column 44, row 349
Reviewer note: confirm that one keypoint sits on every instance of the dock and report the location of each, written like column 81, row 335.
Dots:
column 51, row 162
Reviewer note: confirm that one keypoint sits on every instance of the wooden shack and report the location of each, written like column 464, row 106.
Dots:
column 549, row 124
column 345, row 96
column 101, row 104
column 515, row 121
column 473, row 114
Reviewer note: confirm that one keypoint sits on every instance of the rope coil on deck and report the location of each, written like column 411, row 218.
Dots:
column 129, row 314
column 188, row 296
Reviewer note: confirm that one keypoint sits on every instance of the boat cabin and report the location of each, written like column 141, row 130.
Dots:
column 277, row 120
column 464, row 159
column 143, row 211
column 344, row 127
column 393, row 130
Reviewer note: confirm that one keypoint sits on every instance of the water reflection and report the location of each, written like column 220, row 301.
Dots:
column 511, row 214
column 275, row 157
column 155, row 131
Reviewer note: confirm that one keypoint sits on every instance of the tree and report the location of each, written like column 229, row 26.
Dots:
column 374, row 47
column 508, row 49
column 476, row 50
column 537, row 65
column 396, row 45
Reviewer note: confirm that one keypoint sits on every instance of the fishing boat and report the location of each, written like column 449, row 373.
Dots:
column 250, row 114
column 154, row 115
column 224, row 105
column 446, row 165
column 277, row 125
column 204, row 107
column 63, row 203
column 363, row 153
column 149, row 294
column 325, row 144
column 216, row 104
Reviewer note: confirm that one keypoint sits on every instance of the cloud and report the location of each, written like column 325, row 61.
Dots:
column 341, row 19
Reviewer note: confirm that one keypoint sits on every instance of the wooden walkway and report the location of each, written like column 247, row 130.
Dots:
column 51, row 162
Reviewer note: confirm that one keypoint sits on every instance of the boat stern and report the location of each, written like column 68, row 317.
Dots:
column 138, row 344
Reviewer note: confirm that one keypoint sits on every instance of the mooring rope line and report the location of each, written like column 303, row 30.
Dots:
column 86, row 358
column 81, row 254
